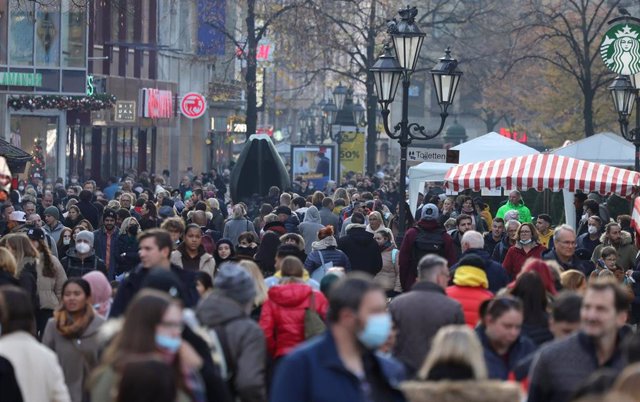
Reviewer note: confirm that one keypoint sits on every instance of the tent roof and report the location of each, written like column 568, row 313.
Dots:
column 429, row 171
column 608, row 148
column 491, row 145
column 543, row 171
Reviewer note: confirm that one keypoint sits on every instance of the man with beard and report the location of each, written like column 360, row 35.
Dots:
column 341, row 364
column 106, row 241
column 621, row 241
column 562, row 366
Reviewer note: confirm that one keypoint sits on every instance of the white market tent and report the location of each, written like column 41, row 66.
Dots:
column 606, row 148
column 483, row 148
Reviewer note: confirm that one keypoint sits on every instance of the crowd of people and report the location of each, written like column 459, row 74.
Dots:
column 140, row 291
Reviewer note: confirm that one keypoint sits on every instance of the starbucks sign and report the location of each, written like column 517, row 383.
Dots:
column 620, row 49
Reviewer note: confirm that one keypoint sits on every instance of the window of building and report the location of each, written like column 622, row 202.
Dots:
column 74, row 42
column 47, row 39
column 21, row 19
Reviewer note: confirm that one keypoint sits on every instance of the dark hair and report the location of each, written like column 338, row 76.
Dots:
column 198, row 192
column 607, row 251
column 84, row 285
column 286, row 250
column 123, row 213
column 205, row 279
column 566, row 307
column 140, row 202
column 85, row 195
column 357, row 217
column 248, row 236
column 327, row 202
column 545, row 218
column 462, row 217
column 621, row 297
column 498, row 220
column 200, row 206
column 153, row 211
column 193, row 226
column 299, row 202
column 161, row 237
column 339, row 203
column 529, row 288
column 347, row 293
column 148, row 380
column 592, row 205
column 497, row 307
column 16, row 310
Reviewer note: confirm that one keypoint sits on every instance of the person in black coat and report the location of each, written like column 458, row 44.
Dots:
column 359, row 245
column 8, row 383
column 87, row 209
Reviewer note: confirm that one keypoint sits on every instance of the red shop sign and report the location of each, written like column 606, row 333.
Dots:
column 193, row 105
column 156, row 103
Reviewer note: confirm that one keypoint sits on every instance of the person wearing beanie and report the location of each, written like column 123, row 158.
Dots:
column 53, row 225
column 426, row 237
column 106, row 241
column 226, row 310
column 100, row 292
column 469, row 287
column 82, row 259
column 359, row 245
column 325, row 255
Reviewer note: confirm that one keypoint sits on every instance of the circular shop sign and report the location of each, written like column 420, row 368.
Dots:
column 193, row 105
column 620, row 49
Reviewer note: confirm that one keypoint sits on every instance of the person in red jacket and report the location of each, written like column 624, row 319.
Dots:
column 469, row 288
column 282, row 317
column 526, row 247
column 427, row 226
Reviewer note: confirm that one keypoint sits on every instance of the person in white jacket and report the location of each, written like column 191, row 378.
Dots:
column 36, row 367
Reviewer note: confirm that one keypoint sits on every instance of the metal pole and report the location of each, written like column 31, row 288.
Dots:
column 636, row 135
column 404, row 143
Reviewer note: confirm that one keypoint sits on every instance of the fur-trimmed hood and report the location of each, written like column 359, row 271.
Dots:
column 461, row 391
column 626, row 238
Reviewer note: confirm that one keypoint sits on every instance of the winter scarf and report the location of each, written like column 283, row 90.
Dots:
column 69, row 328
column 325, row 243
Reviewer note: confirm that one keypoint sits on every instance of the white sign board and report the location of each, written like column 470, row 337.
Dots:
column 416, row 156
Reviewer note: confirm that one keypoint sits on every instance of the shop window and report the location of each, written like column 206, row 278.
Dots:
column 4, row 25
column 50, row 80
column 48, row 34
column 74, row 81
column 26, row 129
column 21, row 21
column 74, row 42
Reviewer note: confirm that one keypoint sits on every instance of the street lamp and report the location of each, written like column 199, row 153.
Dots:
column 342, row 115
column 624, row 93
column 390, row 69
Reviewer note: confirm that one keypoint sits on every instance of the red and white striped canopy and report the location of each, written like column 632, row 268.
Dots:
column 540, row 172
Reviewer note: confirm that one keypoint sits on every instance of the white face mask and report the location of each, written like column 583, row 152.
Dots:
column 83, row 248
column 592, row 229
column 66, row 242
column 525, row 242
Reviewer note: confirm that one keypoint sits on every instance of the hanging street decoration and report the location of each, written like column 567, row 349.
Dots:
column 61, row 102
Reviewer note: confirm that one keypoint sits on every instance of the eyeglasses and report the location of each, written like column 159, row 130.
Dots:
column 567, row 242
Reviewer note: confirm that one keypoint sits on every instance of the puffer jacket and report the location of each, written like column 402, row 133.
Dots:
column 282, row 317
column 470, row 290
column 516, row 257
column 50, row 288
column 626, row 251
column 363, row 252
column 461, row 391
column 331, row 254
column 389, row 275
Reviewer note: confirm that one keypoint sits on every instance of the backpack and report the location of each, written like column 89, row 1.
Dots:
column 322, row 270
column 428, row 242
column 216, row 338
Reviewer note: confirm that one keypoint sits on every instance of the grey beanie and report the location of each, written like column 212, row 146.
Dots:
column 430, row 212
column 85, row 235
column 235, row 283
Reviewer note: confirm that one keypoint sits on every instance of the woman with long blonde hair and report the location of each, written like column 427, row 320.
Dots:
column 26, row 261
column 8, row 268
column 261, row 288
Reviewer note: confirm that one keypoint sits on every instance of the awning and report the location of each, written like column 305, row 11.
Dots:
column 543, row 171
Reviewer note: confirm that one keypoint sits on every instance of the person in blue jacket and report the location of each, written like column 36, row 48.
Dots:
column 341, row 364
column 505, row 348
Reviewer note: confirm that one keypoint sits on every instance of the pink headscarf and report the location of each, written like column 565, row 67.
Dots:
column 100, row 292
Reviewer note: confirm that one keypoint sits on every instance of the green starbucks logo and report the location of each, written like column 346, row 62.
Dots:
column 620, row 49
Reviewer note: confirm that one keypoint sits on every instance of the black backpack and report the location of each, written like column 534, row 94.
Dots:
column 428, row 242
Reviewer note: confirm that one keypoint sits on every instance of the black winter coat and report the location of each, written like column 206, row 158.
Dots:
column 76, row 267
column 362, row 250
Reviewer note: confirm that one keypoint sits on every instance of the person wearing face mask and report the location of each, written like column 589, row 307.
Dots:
column 65, row 242
column 526, row 247
column 106, row 241
column 152, row 328
column 341, row 364
column 82, row 258
column 72, row 334
column 128, row 246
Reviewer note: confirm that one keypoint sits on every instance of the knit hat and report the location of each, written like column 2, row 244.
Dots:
column 100, row 291
column 35, row 234
column 17, row 216
column 85, row 235
column 52, row 211
column 472, row 260
column 430, row 212
column 109, row 213
column 165, row 281
column 234, row 282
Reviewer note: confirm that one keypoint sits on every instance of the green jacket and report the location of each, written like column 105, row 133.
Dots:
column 524, row 215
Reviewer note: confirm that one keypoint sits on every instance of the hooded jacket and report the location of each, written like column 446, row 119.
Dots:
column 282, row 317
column 626, row 250
column 54, row 232
column 206, row 262
column 309, row 228
column 524, row 214
column 246, row 344
column 470, row 290
column 461, row 391
column 408, row 267
column 362, row 250
column 77, row 356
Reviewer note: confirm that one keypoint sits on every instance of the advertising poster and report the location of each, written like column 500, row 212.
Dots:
column 314, row 163
column 352, row 154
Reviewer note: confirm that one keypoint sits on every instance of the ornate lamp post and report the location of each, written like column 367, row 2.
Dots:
column 390, row 69
column 624, row 92
column 344, row 115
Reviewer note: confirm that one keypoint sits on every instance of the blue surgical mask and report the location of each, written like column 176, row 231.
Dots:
column 377, row 331
column 166, row 342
